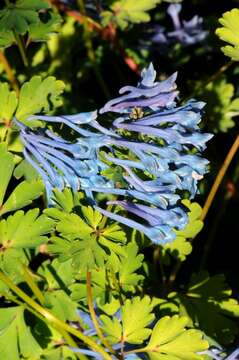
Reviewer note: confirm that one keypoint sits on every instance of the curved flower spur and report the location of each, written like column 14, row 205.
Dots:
column 150, row 142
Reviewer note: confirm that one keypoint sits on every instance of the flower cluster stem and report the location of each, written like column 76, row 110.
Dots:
column 65, row 334
column 21, row 48
column 19, row 43
column 52, row 319
column 93, row 314
column 31, row 283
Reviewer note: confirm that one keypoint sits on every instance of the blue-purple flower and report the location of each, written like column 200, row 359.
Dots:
column 154, row 142
column 185, row 32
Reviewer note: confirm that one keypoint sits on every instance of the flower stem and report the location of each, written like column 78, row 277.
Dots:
column 19, row 42
column 9, row 72
column 173, row 275
column 93, row 314
column 219, row 177
column 52, row 319
column 31, row 283
column 222, row 69
column 64, row 333
column 21, row 48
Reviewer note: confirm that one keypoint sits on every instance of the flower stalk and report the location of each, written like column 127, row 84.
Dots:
column 52, row 319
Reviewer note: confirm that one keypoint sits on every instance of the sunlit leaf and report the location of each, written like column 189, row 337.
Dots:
column 230, row 33
column 171, row 341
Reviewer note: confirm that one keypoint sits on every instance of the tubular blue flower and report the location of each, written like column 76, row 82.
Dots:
column 185, row 32
column 61, row 163
column 188, row 32
column 161, row 164
column 154, row 142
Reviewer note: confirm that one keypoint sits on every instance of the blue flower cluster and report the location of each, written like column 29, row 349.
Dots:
column 185, row 32
column 155, row 143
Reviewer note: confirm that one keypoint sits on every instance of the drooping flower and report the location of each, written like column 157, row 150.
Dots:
column 155, row 143
column 185, row 32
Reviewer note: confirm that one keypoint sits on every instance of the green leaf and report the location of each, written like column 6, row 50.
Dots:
column 112, row 327
column 125, row 12
column 8, row 103
column 24, row 230
column 171, row 341
column 230, row 33
column 62, row 352
column 17, row 17
column 11, row 261
column 66, row 200
column 194, row 225
column 6, row 39
column 181, row 247
column 22, row 196
column 129, row 264
column 118, row 277
column 41, row 31
column 6, row 170
column 221, row 107
column 61, row 305
column 207, row 302
column 58, row 275
column 38, row 95
column 85, row 253
column 86, row 241
column 26, row 170
column 136, row 316
column 16, row 340
column 70, row 225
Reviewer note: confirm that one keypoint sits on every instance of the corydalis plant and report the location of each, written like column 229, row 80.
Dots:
column 185, row 32
column 153, row 143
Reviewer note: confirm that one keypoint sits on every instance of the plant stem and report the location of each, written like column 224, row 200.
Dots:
column 90, row 51
column 65, row 334
column 93, row 314
column 9, row 72
column 173, row 275
column 135, row 351
column 19, row 41
column 222, row 69
column 104, row 220
column 21, row 48
column 219, row 177
column 31, row 283
column 52, row 319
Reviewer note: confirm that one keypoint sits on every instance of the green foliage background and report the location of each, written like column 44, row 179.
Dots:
column 163, row 303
